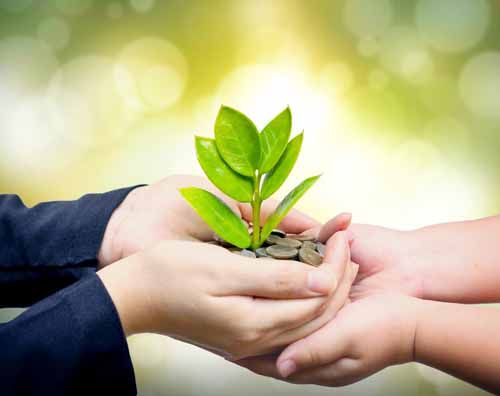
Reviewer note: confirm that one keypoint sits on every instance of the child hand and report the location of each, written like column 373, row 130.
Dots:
column 366, row 336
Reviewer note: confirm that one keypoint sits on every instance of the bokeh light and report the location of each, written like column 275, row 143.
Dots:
column 452, row 25
column 55, row 32
column 403, row 53
column 73, row 7
column 84, row 102
column 17, row 69
column 480, row 84
column 142, row 5
column 31, row 143
column 367, row 18
column 150, row 74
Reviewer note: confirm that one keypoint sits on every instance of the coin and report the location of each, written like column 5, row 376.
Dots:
column 301, row 237
column 309, row 244
column 246, row 253
column 321, row 247
column 293, row 243
column 261, row 252
column 282, row 252
column 279, row 233
column 273, row 239
column 310, row 256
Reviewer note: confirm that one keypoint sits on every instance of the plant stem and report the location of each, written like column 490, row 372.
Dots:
column 256, row 202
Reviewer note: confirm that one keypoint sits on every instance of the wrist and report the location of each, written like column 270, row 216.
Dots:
column 423, row 308
column 419, row 251
column 112, row 248
column 417, row 311
column 410, row 310
column 127, row 286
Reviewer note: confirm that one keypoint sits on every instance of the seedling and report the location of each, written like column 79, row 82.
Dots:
column 248, row 166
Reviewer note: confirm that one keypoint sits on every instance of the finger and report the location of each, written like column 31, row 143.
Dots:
column 339, row 223
column 295, row 221
column 263, row 365
column 343, row 372
column 337, row 257
column 278, row 279
column 277, row 316
column 326, row 345
column 333, row 305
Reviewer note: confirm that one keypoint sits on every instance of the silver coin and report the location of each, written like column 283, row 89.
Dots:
column 293, row 243
column 310, row 256
column 282, row 252
column 273, row 239
column 309, row 244
column 279, row 233
column 246, row 253
column 261, row 252
column 301, row 237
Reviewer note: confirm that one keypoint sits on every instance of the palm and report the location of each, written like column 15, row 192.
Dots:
column 384, row 261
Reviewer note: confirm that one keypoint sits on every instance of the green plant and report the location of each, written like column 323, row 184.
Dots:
column 248, row 166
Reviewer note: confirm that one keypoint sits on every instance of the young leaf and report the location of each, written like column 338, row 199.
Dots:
column 273, row 140
column 274, row 179
column 237, row 141
column 228, row 181
column 218, row 216
column 284, row 206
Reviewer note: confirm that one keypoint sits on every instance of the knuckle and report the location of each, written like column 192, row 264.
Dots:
column 246, row 330
column 311, row 357
column 286, row 280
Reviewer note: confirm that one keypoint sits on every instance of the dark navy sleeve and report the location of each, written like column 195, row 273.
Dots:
column 51, row 245
column 70, row 343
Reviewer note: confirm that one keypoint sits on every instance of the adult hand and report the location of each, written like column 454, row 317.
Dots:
column 230, row 304
column 158, row 212
column 366, row 336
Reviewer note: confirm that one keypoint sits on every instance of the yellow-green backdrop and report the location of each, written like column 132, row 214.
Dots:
column 399, row 100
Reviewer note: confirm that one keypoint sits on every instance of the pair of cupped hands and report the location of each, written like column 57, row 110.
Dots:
column 331, row 325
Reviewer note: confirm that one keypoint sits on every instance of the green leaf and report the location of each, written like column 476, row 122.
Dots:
column 284, row 206
column 273, row 140
column 218, row 216
column 228, row 181
column 274, row 179
column 237, row 141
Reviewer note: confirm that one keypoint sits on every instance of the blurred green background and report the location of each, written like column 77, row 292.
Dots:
column 399, row 100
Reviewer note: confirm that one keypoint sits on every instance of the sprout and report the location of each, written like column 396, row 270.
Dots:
column 249, row 167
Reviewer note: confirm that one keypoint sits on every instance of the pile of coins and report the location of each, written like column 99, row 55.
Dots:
column 282, row 246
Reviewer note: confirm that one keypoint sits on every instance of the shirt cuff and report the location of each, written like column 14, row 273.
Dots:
column 104, row 348
column 66, row 233
column 70, row 343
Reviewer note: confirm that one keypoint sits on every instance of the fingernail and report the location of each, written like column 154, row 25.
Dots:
column 287, row 368
column 355, row 269
column 319, row 282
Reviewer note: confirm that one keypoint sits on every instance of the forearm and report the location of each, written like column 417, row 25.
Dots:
column 51, row 245
column 461, row 340
column 460, row 261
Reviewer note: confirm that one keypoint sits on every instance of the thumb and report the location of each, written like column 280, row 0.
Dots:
column 325, row 346
column 337, row 258
column 339, row 223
